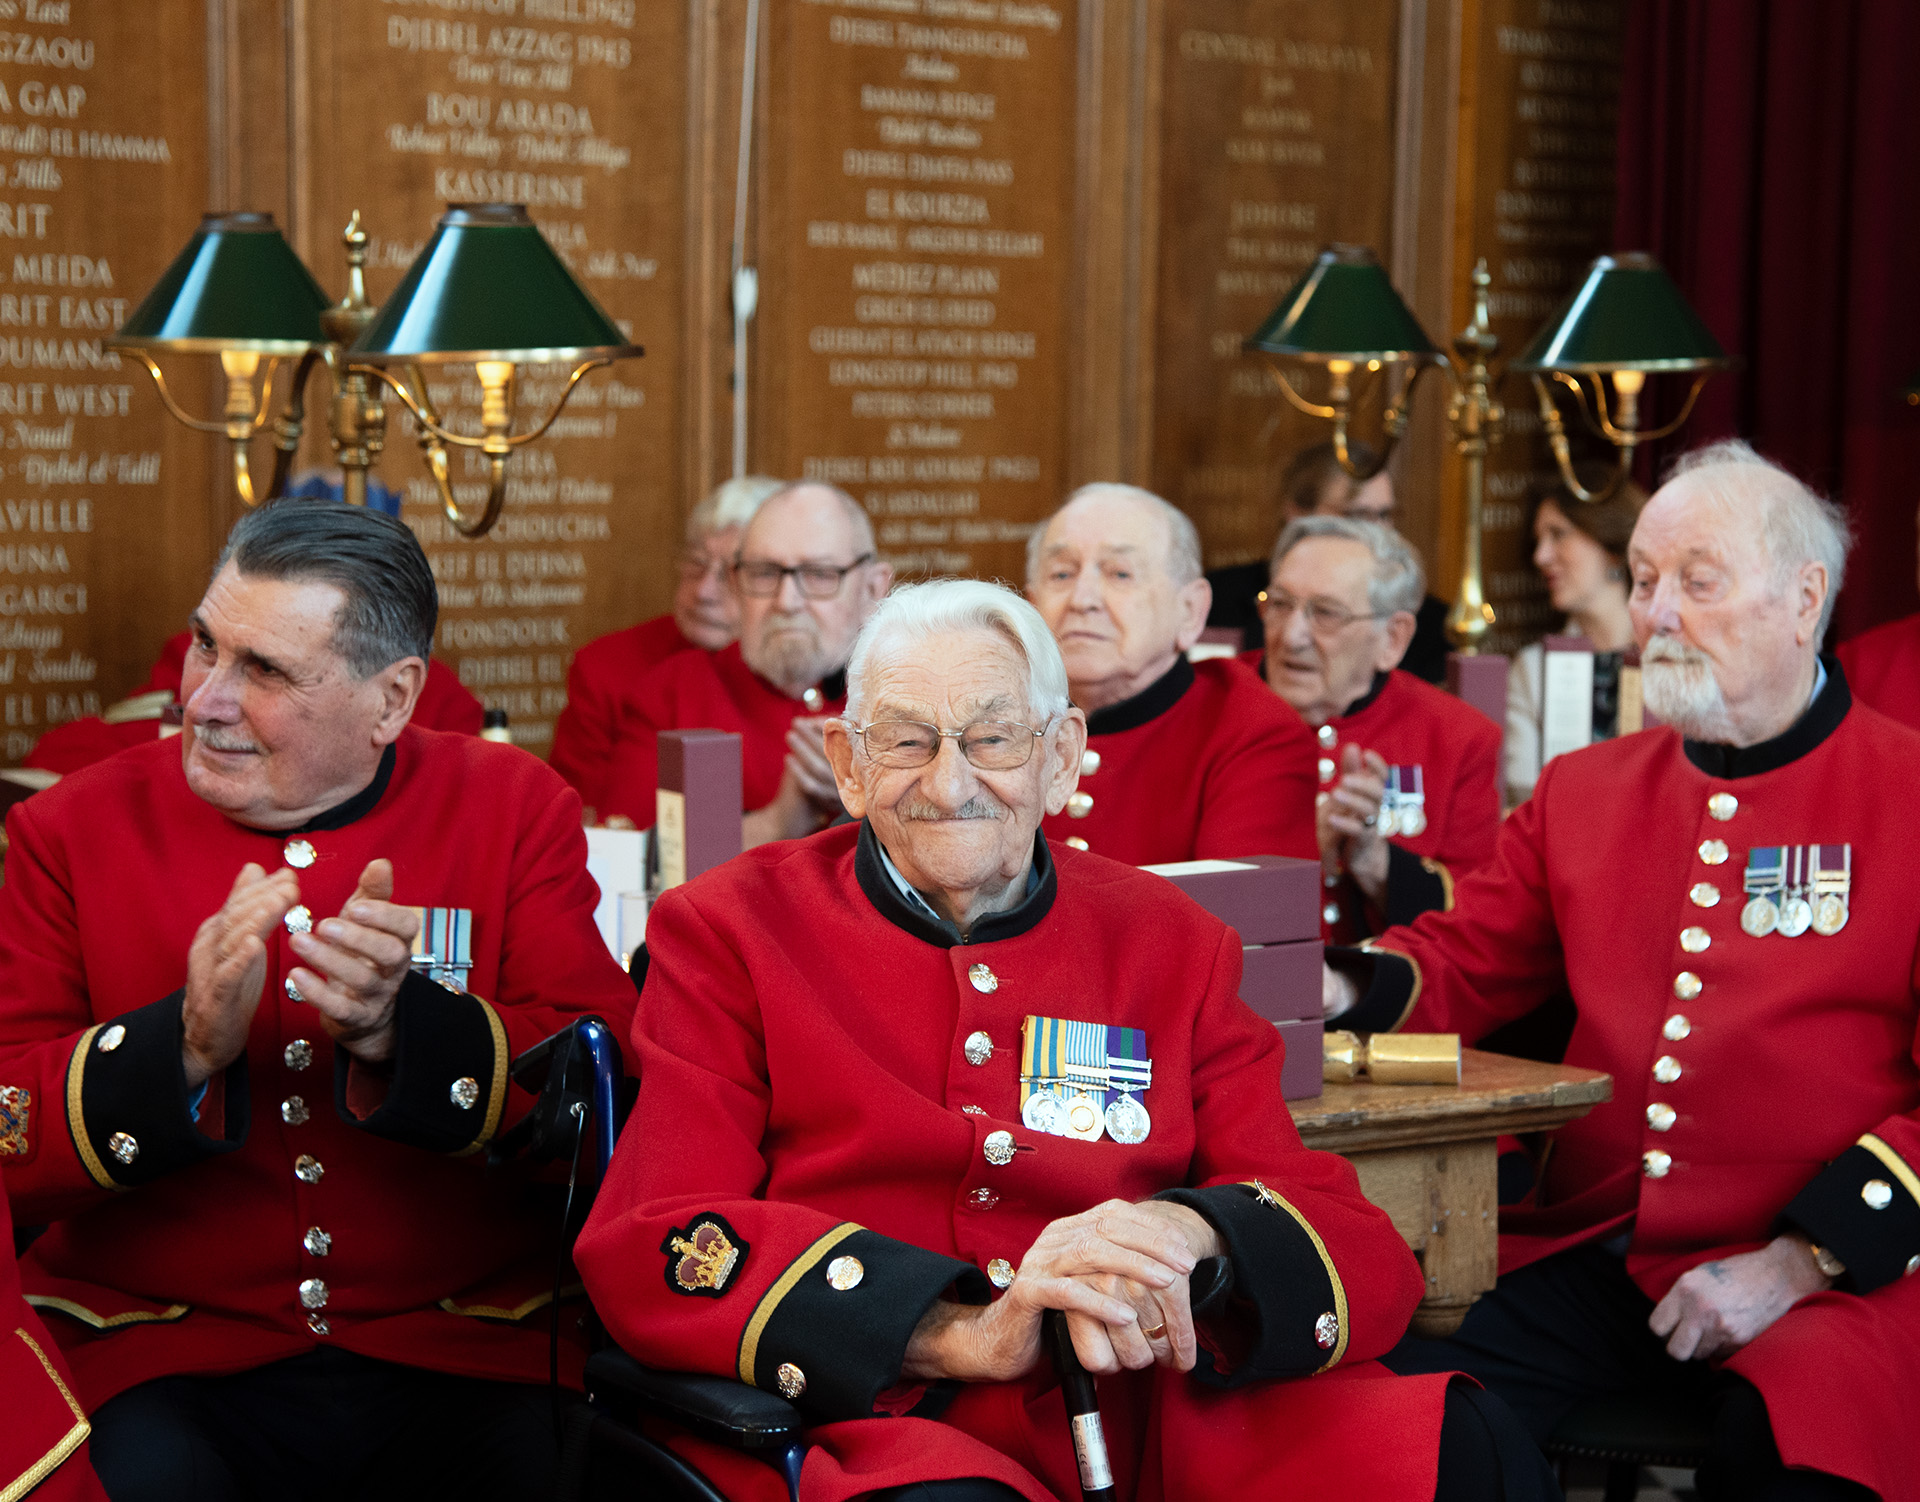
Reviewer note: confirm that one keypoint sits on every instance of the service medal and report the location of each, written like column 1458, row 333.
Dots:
column 1796, row 913
column 1389, row 819
column 1045, row 1112
column 1403, row 808
column 1766, row 875
column 1085, row 1122
column 1128, row 1121
column 1759, row 917
column 1832, row 884
column 1413, row 821
column 1829, row 915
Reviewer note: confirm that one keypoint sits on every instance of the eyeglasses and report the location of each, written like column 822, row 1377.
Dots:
column 1323, row 616
column 990, row 745
column 817, row 581
column 698, row 567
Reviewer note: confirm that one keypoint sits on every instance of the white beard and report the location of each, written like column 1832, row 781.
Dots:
column 1679, row 688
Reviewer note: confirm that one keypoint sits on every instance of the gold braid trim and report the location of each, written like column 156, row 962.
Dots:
column 1436, row 868
column 1279, row 1201
column 109, row 1321
column 1896, row 1165
column 47, row 1464
column 1413, row 997
column 518, row 1312
column 77, row 1116
column 497, row 1086
column 782, row 1286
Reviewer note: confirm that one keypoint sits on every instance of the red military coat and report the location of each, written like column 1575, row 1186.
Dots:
column 706, row 691
column 1456, row 751
column 1754, row 1078
column 1883, row 668
column 1204, row 764
column 310, row 1204
column 43, row 1442
column 826, row 1074
column 601, row 685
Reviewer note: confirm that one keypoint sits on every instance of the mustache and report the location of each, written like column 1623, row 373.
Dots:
column 1672, row 649
column 979, row 806
column 223, row 738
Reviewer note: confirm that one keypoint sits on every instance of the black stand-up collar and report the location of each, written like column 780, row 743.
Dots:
column 1821, row 719
column 1365, row 701
column 357, row 807
column 834, row 685
column 895, row 908
column 1149, row 704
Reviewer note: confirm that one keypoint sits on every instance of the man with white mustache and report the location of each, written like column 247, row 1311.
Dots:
column 1737, row 918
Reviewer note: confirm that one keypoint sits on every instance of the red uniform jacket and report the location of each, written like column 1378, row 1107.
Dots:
column 706, row 691
column 1204, row 764
column 826, row 1074
column 1883, row 668
column 306, row 1206
column 600, row 691
column 444, row 704
column 1755, row 1079
column 43, row 1442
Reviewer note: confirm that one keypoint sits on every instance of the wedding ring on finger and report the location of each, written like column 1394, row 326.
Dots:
column 1156, row 1332
column 1371, row 820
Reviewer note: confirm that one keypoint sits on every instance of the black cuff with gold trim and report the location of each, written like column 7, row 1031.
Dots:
column 1286, row 1290
column 449, row 1072
column 1415, row 885
column 127, row 1099
column 831, row 1343
column 1864, row 1207
column 1388, row 985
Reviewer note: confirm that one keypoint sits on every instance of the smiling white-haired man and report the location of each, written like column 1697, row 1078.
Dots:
column 1737, row 919
column 928, row 1076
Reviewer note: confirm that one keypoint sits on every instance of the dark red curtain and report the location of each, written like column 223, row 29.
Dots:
column 1770, row 158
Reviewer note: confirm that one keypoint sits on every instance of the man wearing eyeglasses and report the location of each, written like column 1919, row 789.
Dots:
column 1184, row 761
column 879, row 1175
column 1409, row 775
column 606, row 673
column 807, row 579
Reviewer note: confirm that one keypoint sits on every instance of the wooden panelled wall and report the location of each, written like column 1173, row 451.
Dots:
column 1005, row 247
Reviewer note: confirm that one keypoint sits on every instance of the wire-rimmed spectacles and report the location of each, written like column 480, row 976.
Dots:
column 990, row 745
column 817, row 581
column 1323, row 616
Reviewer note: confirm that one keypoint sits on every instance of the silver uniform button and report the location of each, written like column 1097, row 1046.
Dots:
column 844, row 1273
column 319, row 1324
column 1327, row 769
column 1703, row 894
column 1329, row 737
column 300, row 920
column 293, row 1111
column 313, row 1293
column 1074, row 842
column 1713, row 852
column 293, row 991
column 464, row 1092
column 1330, row 913
column 1661, row 1117
column 317, row 1242
column 1695, row 940
column 1089, row 763
column 1913, row 1266
column 982, row 979
column 1686, row 985
column 1000, row 1273
column 1666, row 1069
column 123, row 1146
column 1677, row 1028
column 814, row 700
column 972, row 1110
column 110, row 1038
column 1878, row 1193
column 298, row 1054
column 1079, row 805
column 299, row 854
column 792, row 1380
column 1723, row 806
column 1655, row 1164
column 998, row 1148
column 1326, row 1331
column 308, row 1169
column 978, row 1048
column 986, row 1199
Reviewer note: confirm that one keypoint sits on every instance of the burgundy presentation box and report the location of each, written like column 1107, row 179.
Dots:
column 1273, row 903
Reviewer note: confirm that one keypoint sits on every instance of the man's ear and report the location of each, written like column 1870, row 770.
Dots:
column 1196, row 599
column 879, row 581
column 400, row 686
column 1063, row 771
column 1395, row 637
column 839, row 741
column 1810, row 601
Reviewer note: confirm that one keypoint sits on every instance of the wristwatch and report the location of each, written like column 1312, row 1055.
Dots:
column 1829, row 1264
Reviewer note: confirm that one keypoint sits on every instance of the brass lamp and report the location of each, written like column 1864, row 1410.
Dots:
column 488, row 290
column 1625, row 321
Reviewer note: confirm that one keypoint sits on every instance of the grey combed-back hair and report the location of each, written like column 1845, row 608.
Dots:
column 1183, row 538
column 1797, row 525
column 391, row 603
column 1398, row 581
column 914, row 614
column 731, row 503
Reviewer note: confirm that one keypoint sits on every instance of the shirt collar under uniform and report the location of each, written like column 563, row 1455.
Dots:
column 904, row 908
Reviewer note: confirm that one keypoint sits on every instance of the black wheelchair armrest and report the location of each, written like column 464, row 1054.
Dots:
column 720, row 1409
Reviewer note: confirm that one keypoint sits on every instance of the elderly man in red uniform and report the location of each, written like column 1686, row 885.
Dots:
column 807, row 579
column 1409, row 774
column 259, row 989
column 1183, row 761
column 1738, row 921
column 930, row 1076
column 706, row 615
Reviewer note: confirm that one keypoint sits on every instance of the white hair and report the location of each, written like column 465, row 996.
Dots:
column 732, row 503
column 1796, row 525
column 1397, row 582
column 856, row 514
column 1183, row 538
column 914, row 614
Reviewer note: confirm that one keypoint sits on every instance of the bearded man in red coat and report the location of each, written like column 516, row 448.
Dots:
column 1409, row 775
column 260, row 986
column 1737, row 918
column 929, row 1076
column 1184, row 761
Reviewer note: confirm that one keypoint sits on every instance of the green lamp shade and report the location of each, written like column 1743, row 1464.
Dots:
column 1626, row 315
column 1344, row 308
column 238, row 285
column 488, row 286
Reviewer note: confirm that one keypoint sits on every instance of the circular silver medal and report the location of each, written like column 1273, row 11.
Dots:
column 1128, row 1121
column 1796, row 917
column 1830, row 914
column 1759, row 917
column 1045, row 1112
column 1084, row 1120
column 1413, row 822
column 1389, row 821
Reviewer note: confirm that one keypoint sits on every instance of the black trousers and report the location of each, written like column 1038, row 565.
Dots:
column 1573, row 1327
column 328, row 1424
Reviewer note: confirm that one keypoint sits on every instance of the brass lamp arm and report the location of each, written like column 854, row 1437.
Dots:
column 423, row 413
column 289, row 425
column 244, row 418
column 1625, row 435
column 1393, row 420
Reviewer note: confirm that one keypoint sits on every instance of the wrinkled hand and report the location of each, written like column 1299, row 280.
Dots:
column 227, row 969
column 807, row 761
column 1338, row 993
column 1347, row 820
column 352, row 966
column 1116, row 1270
column 1718, row 1307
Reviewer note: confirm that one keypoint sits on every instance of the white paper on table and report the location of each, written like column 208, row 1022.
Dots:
column 1566, row 703
column 1197, row 868
column 617, row 861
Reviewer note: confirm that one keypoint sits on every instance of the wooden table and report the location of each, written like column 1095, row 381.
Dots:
column 1425, row 1154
